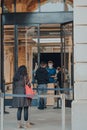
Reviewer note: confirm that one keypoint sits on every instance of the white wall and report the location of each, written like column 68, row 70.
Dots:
column 79, row 105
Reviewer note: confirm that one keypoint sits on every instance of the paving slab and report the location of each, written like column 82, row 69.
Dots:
column 47, row 119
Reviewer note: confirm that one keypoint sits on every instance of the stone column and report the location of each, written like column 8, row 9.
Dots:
column 79, row 105
column 0, row 43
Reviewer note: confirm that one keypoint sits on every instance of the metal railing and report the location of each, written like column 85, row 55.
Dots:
column 62, row 96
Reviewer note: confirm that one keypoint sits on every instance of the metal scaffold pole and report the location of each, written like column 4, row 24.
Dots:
column 63, row 111
column 2, row 111
column 38, row 44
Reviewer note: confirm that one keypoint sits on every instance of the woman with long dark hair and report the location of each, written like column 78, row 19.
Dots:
column 19, row 80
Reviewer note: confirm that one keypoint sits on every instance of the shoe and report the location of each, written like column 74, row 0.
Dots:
column 27, row 125
column 56, row 107
column 20, row 127
column 45, row 106
column 31, row 123
column 20, row 124
column 41, row 108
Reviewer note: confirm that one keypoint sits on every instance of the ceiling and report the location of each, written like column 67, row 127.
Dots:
column 47, row 31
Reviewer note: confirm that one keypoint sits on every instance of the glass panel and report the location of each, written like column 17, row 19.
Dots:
column 50, row 43
column 27, row 51
column 33, row 6
column 27, row 5
column 54, row 6
column 21, row 6
column 8, row 57
column 8, row 6
column 67, row 54
column 49, row 48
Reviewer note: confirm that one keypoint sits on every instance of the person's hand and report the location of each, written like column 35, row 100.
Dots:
column 53, row 76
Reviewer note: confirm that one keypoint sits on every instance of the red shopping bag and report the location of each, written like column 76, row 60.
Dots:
column 29, row 92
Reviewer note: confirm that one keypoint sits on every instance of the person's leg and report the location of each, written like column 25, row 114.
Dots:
column 45, row 93
column 60, row 100
column 19, row 113
column 26, row 113
column 42, row 91
column 27, row 124
column 39, row 93
column 56, row 99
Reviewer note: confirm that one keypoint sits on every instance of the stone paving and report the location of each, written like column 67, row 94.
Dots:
column 47, row 119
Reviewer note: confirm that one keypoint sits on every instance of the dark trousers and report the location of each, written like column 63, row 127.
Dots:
column 19, row 113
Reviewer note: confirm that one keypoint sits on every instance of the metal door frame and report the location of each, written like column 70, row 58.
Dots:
column 38, row 18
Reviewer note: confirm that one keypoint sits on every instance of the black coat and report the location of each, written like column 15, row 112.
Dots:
column 42, row 76
column 19, row 88
column 60, row 79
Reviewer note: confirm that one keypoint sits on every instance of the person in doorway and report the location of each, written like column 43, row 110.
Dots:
column 60, row 81
column 60, row 78
column 34, row 73
column 51, row 72
column 42, row 80
column 19, row 80
column 66, row 79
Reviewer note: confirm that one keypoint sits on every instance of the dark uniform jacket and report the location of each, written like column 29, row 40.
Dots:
column 42, row 76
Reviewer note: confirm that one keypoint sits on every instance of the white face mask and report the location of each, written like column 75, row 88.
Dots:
column 57, row 71
column 50, row 66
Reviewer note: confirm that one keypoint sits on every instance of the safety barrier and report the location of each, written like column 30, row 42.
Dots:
column 62, row 96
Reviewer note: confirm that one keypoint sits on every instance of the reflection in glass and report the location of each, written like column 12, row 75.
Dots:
column 26, row 6
column 50, row 43
column 8, row 53
column 33, row 6
column 21, row 6
column 54, row 5
column 8, row 6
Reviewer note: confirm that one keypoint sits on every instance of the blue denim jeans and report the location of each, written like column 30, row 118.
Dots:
column 42, row 91
column 19, row 113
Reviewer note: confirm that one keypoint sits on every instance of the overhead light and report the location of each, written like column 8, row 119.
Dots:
column 47, row 40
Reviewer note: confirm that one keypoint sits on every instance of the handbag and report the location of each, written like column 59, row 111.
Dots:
column 29, row 92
